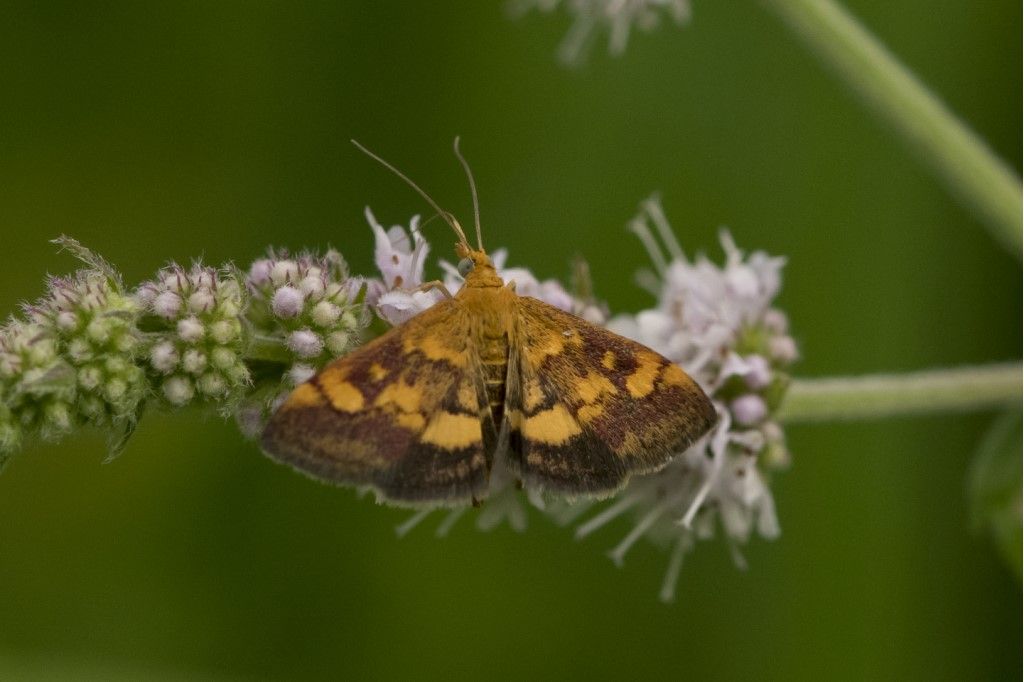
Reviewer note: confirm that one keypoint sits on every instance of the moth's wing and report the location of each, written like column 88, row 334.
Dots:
column 405, row 415
column 587, row 408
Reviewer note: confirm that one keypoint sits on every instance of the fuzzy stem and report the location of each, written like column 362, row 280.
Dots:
column 959, row 389
column 968, row 167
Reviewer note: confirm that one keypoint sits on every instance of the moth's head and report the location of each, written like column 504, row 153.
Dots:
column 476, row 267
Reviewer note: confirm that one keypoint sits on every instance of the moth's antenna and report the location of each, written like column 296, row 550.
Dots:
column 448, row 217
column 472, row 189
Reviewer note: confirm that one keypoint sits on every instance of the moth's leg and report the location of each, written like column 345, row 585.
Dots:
column 435, row 284
column 511, row 285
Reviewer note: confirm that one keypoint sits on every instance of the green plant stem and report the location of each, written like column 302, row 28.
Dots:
column 268, row 349
column 960, row 389
column 970, row 169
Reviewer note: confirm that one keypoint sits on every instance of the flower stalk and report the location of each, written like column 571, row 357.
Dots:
column 979, row 178
column 961, row 389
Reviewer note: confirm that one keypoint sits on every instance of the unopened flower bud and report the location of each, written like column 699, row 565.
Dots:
column 222, row 358
column 325, row 313
column 67, row 321
column 311, row 286
column 190, row 330
column 287, row 302
column 300, row 373
column 337, row 342
column 284, row 271
column 164, row 357
column 115, row 389
column 224, row 331
column 212, row 384
column 178, row 390
column 193, row 361
column 201, row 301
column 259, row 271
column 305, row 343
column 782, row 349
column 167, row 304
column 749, row 409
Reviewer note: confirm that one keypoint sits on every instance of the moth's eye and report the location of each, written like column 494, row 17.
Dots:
column 465, row 265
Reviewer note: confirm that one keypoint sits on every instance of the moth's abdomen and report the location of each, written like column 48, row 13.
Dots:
column 494, row 363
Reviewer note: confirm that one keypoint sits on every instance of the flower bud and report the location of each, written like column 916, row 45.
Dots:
column 164, row 357
column 325, row 313
column 305, row 343
column 178, row 390
column 212, row 384
column 259, row 271
column 224, row 331
column 193, row 361
column 284, row 271
column 190, row 330
column 201, row 301
column 167, row 304
column 222, row 358
column 749, row 409
column 337, row 342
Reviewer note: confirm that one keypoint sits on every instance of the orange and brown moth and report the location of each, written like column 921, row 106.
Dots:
column 423, row 413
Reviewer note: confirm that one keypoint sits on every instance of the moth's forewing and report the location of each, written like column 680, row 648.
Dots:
column 587, row 408
column 405, row 415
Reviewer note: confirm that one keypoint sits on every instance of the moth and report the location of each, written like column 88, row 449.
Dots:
column 424, row 413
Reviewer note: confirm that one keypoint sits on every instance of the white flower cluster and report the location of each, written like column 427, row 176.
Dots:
column 37, row 388
column 308, row 303
column 308, row 309
column 196, row 347
column 618, row 17
column 71, row 361
column 94, row 323
column 718, row 323
column 88, row 353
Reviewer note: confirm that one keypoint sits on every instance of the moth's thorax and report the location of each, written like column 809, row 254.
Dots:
column 491, row 314
column 490, row 308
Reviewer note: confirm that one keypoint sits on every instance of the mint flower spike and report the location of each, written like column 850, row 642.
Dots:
column 718, row 323
column 71, row 360
column 194, row 338
column 303, row 311
column 618, row 17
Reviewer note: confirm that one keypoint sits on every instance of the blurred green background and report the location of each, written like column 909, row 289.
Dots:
column 154, row 131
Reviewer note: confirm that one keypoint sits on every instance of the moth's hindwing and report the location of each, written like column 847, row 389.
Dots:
column 405, row 415
column 587, row 408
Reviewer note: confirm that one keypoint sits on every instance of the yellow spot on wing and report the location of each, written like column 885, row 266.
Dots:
column 589, row 413
column 533, row 396
column 377, row 373
column 608, row 361
column 432, row 343
column 553, row 426
column 406, row 397
column 304, row 395
column 551, row 343
column 467, row 397
column 343, row 395
column 593, row 386
column 452, row 431
column 641, row 381
column 413, row 421
column 672, row 375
